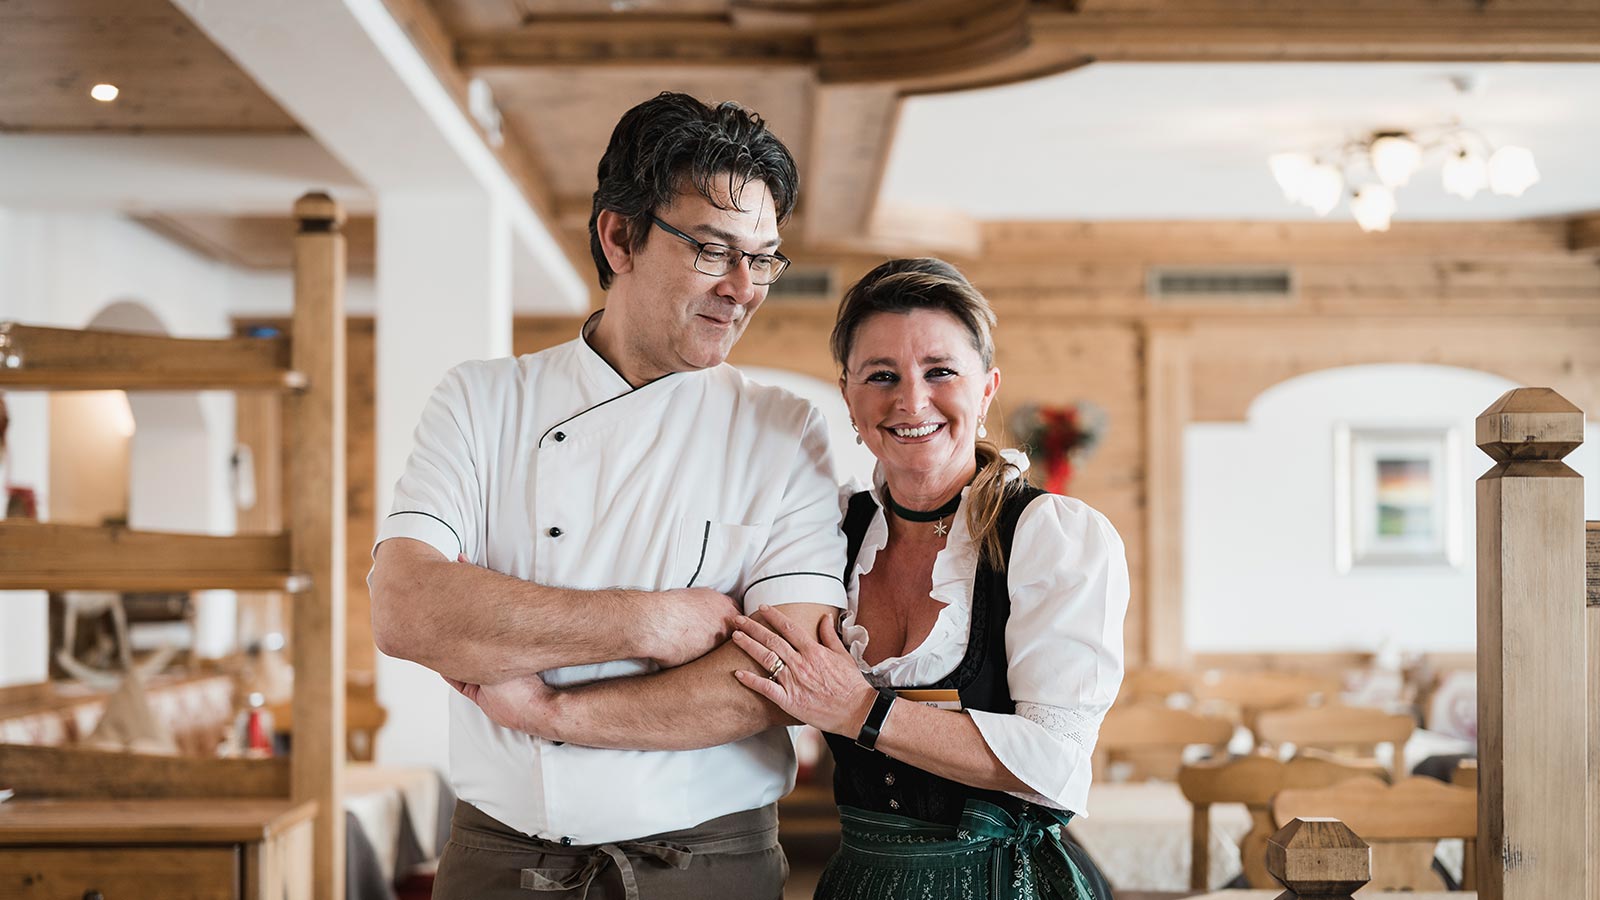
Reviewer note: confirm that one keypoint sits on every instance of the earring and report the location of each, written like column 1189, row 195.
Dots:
column 982, row 431
column 857, row 431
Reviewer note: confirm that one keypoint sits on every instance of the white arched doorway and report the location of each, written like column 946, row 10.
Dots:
column 1259, row 533
column 166, row 452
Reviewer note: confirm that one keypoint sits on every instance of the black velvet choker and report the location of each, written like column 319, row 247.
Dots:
column 917, row 515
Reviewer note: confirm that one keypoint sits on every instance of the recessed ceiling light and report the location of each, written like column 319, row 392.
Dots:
column 105, row 93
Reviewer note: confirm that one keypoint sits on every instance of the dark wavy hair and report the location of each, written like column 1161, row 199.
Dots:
column 901, row 286
column 673, row 141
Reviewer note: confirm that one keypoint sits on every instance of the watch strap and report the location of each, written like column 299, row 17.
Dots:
column 868, row 738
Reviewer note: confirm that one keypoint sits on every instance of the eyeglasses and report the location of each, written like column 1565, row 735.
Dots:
column 720, row 259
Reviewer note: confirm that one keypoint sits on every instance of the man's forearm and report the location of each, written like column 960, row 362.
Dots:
column 477, row 625
column 696, row 705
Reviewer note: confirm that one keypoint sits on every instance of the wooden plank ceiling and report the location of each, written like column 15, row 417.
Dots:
column 829, row 75
column 172, row 78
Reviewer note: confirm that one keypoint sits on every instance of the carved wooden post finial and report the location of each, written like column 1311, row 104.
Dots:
column 1318, row 859
column 317, row 211
column 1530, row 424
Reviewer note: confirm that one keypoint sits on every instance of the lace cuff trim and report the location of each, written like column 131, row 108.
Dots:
column 1076, row 725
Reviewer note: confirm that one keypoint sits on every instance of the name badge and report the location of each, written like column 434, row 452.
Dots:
column 938, row 699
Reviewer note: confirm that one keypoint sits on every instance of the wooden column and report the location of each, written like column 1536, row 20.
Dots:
column 1167, row 410
column 316, row 515
column 1532, row 719
column 1592, row 614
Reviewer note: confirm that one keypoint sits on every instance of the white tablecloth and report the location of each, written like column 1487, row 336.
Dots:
column 1139, row 836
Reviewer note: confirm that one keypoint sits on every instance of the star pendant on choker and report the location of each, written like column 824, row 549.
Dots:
column 936, row 516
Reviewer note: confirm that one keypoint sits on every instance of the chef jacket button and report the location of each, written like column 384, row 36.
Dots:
column 894, row 804
column 561, row 436
column 554, row 532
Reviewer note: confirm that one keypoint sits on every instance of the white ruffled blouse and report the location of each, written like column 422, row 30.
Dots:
column 1068, row 579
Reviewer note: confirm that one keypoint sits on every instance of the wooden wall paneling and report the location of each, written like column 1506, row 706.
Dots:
column 1235, row 362
column 1532, row 720
column 1583, row 234
column 1265, row 242
column 316, row 468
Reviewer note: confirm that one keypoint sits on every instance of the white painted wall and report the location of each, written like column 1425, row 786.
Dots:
column 73, row 269
column 1259, row 569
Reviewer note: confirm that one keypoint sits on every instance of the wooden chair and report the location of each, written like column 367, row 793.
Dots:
column 1252, row 781
column 1153, row 737
column 1245, row 695
column 1154, row 685
column 1403, row 823
column 1345, row 729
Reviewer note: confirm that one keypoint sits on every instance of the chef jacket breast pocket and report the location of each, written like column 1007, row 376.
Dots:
column 717, row 555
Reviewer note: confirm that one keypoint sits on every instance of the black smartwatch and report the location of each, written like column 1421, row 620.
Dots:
column 868, row 738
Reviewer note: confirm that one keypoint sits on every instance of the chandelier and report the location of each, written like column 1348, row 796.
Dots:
column 1374, row 165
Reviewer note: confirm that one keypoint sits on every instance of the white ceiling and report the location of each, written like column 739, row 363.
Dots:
column 1191, row 141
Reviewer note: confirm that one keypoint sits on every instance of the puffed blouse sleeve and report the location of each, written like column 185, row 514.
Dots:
column 1068, row 579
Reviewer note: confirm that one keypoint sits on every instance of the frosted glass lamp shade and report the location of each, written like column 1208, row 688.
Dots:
column 1373, row 207
column 1323, row 187
column 1511, row 171
column 1395, row 157
column 1290, row 171
column 1465, row 174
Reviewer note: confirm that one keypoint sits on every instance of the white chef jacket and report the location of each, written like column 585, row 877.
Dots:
column 551, row 468
column 1068, row 580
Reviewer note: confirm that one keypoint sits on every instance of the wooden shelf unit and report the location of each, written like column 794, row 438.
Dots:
column 43, row 556
column 306, row 561
column 65, row 359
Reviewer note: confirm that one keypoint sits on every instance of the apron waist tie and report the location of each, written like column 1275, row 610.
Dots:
column 676, row 855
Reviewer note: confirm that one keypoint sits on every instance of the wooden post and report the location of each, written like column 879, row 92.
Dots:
column 1591, row 536
column 316, row 517
column 1318, row 859
column 1532, row 719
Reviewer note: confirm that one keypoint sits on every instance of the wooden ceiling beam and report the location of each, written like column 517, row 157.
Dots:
column 603, row 40
column 1404, row 30
column 897, row 41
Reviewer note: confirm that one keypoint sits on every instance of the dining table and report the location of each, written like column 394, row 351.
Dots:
column 1138, row 833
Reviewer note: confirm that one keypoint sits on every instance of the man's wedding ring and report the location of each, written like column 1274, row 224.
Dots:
column 776, row 668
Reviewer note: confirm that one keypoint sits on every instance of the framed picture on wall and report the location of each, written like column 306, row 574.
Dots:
column 1397, row 497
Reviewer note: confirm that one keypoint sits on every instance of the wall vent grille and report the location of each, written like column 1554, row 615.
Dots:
column 1202, row 284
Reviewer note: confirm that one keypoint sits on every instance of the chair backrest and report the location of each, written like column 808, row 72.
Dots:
column 1157, row 736
column 1244, row 695
column 1341, row 728
column 1252, row 781
column 1403, row 823
column 1144, row 684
